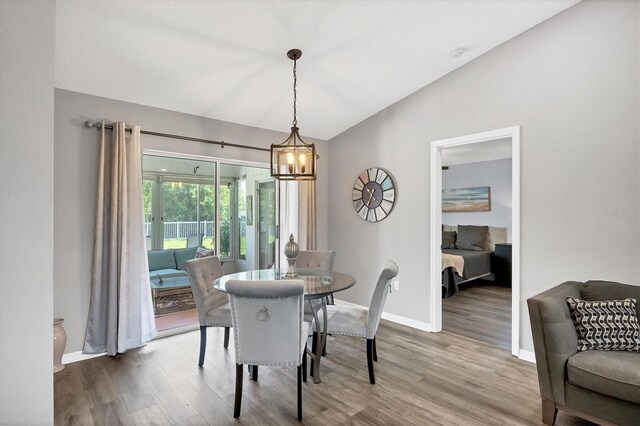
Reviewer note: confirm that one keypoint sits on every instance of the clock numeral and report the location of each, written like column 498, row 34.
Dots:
column 363, row 212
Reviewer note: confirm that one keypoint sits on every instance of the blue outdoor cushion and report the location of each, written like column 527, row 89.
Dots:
column 182, row 255
column 161, row 259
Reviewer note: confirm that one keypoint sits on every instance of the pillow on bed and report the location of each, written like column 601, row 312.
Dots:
column 448, row 240
column 471, row 237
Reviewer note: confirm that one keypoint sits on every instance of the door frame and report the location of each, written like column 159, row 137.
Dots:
column 435, row 290
column 218, row 162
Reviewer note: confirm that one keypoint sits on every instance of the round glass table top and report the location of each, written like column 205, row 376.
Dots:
column 314, row 284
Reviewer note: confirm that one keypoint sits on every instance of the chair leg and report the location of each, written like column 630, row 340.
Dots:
column 254, row 373
column 238, row 401
column 203, row 344
column 372, row 377
column 299, row 394
column 226, row 337
column 375, row 350
column 314, row 345
column 549, row 412
column 324, row 348
column 304, row 364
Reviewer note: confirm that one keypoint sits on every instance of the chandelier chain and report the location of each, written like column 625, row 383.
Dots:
column 295, row 94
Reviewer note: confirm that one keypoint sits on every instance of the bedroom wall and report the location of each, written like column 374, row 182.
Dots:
column 571, row 83
column 495, row 174
column 75, row 181
column 27, row 34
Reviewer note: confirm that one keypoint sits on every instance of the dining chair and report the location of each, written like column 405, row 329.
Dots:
column 194, row 240
column 363, row 323
column 268, row 328
column 317, row 261
column 212, row 305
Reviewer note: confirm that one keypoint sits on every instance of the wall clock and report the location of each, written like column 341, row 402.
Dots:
column 374, row 194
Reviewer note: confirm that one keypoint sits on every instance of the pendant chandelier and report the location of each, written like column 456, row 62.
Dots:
column 293, row 159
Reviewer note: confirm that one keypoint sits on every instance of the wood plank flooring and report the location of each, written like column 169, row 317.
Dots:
column 422, row 379
column 480, row 311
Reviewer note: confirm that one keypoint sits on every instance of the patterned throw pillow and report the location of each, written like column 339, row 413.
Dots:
column 204, row 252
column 607, row 325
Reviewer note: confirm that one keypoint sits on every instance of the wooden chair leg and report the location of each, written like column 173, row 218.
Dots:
column 203, row 344
column 253, row 372
column 375, row 350
column 304, row 365
column 549, row 412
column 226, row 337
column 372, row 377
column 314, row 345
column 238, row 401
column 299, row 393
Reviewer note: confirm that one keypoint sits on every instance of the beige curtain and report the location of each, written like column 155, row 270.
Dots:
column 120, row 311
column 307, row 226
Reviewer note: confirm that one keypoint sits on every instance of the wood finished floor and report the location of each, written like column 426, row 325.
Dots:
column 480, row 311
column 422, row 379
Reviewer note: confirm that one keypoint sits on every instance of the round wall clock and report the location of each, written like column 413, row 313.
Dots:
column 374, row 194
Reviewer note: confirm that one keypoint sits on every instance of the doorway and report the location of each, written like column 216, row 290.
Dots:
column 435, row 304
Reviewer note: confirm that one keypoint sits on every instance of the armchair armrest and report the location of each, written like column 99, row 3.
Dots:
column 554, row 337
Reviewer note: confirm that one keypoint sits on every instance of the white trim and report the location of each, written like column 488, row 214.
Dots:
column 527, row 356
column 435, row 262
column 72, row 357
column 424, row 326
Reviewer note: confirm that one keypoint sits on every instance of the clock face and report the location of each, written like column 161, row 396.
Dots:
column 374, row 194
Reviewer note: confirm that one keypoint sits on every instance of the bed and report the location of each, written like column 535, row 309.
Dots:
column 467, row 253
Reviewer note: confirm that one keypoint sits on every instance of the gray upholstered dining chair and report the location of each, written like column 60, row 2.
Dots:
column 363, row 323
column 212, row 305
column 317, row 261
column 268, row 328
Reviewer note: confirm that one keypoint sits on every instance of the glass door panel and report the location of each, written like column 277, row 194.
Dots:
column 266, row 224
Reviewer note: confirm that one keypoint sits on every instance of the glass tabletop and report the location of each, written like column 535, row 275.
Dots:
column 314, row 284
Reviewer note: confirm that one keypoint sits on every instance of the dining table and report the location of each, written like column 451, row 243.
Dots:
column 316, row 289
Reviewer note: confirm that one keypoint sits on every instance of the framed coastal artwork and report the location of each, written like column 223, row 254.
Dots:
column 476, row 199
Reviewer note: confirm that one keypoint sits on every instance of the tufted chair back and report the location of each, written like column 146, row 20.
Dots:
column 317, row 261
column 202, row 272
column 267, row 321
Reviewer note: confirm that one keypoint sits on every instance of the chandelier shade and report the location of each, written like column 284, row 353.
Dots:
column 293, row 159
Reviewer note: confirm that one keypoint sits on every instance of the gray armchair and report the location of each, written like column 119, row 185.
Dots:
column 596, row 385
column 363, row 323
column 212, row 305
column 268, row 328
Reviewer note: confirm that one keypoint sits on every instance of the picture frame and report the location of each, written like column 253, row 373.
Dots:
column 249, row 210
column 476, row 199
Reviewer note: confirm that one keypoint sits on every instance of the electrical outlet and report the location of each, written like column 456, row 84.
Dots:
column 396, row 284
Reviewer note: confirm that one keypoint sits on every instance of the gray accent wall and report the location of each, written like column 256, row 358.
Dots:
column 75, row 182
column 572, row 84
column 496, row 175
column 27, row 34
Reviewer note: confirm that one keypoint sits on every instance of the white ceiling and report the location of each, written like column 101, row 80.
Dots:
column 227, row 59
column 496, row 149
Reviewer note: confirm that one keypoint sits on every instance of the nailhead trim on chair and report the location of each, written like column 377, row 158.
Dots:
column 275, row 364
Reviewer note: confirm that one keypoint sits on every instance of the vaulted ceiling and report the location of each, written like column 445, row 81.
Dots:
column 227, row 59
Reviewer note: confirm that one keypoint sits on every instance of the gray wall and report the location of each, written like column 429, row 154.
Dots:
column 572, row 84
column 496, row 175
column 27, row 34
column 75, row 181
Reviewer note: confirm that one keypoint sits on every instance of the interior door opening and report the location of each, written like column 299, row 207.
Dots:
column 438, row 236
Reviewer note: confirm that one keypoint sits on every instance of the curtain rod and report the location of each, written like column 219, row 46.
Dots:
column 98, row 125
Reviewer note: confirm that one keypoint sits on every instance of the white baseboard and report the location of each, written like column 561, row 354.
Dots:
column 72, row 357
column 527, row 356
column 424, row 326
